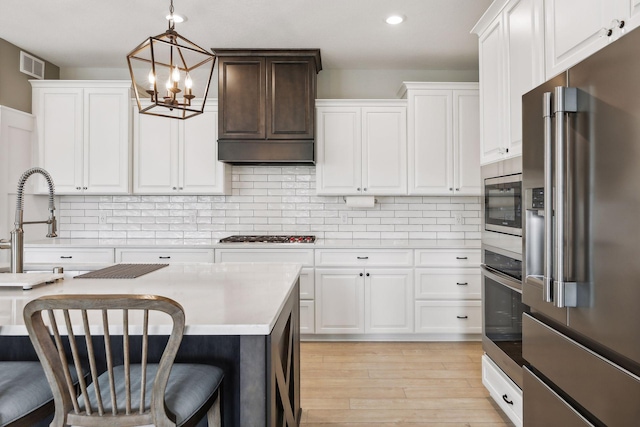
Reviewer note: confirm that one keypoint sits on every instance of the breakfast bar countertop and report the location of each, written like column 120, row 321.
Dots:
column 218, row 299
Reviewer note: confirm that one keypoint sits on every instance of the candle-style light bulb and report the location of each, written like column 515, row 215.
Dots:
column 188, row 84
column 175, row 75
column 169, row 85
column 152, row 79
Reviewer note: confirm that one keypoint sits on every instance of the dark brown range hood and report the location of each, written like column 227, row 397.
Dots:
column 266, row 105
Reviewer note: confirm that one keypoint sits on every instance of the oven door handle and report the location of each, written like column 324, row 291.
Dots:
column 502, row 278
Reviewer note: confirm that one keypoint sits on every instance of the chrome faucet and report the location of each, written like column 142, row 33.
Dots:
column 17, row 235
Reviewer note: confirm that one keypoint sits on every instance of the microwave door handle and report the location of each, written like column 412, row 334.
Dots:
column 565, row 101
column 547, row 279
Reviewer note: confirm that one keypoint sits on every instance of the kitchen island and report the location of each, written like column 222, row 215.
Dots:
column 243, row 317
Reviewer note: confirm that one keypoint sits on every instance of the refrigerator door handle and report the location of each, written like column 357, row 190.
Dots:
column 547, row 279
column 565, row 101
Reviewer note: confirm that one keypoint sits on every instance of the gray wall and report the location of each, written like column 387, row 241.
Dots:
column 15, row 90
column 332, row 83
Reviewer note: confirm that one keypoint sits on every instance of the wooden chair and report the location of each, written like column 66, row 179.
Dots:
column 125, row 394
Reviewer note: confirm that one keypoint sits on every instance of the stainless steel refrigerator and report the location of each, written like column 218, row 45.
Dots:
column 581, row 243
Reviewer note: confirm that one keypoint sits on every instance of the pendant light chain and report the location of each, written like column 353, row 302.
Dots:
column 172, row 24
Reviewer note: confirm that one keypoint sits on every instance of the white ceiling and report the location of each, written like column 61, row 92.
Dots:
column 351, row 34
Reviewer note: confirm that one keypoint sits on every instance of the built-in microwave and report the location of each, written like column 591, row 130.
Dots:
column 503, row 204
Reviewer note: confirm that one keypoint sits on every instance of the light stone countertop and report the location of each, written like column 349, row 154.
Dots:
column 218, row 299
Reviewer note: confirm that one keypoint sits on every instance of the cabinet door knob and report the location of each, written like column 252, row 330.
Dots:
column 450, row 188
column 361, row 274
column 175, row 188
column 368, row 274
column 84, row 188
column 365, row 189
column 457, row 189
column 358, row 188
column 78, row 188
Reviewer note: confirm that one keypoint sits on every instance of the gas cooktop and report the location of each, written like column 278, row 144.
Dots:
column 268, row 239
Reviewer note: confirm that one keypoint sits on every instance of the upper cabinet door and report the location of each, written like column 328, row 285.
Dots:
column 492, row 94
column 384, row 150
column 59, row 116
column 575, row 29
column 466, row 142
column 339, row 151
column 155, row 156
column 106, row 135
column 291, row 95
column 524, row 41
column 430, row 150
column 242, row 98
column 199, row 170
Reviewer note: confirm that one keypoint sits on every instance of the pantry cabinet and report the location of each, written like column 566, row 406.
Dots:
column 511, row 50
column 577, row 28
column 83, row 133
column 443, row 138
column 178, row 156
column 361, row 147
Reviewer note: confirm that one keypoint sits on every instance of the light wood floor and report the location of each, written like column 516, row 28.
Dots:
column 388, row 384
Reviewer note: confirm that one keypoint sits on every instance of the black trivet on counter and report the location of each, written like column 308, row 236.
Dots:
column 121, row 271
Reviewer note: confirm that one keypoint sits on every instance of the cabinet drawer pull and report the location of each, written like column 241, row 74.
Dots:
column 363, row 257
column 164, row 257
column 506, row 399
column 66, row 257
column 462, row 284
column 461, row 257
column 462, row 317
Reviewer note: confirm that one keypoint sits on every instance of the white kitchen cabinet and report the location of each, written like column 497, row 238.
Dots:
column 576, row 29
column 443, row 138
column 448, row 292
column 84, row 133
column 361, row 147
column 64, row 256
column 511, row 50
column 164, row 255
column 388, row 300
column 503, row 390
column 355, row 294
column 339, row 301
column 178, row 156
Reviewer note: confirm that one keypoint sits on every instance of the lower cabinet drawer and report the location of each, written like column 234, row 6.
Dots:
column 504, row 391
column 164, row 256
column 463, row 317
column 298, row 256
column 448, row 283
column 307, row 317
column 68, row 256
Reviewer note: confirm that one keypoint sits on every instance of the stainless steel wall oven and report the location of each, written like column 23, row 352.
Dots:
column 502, row 310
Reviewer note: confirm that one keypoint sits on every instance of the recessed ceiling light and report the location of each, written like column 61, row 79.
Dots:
column 176, row 18
column 394, row 19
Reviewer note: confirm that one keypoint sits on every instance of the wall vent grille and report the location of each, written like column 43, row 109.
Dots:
column 31, row 65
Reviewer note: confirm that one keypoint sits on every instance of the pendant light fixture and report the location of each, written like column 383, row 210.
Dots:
column 170, row 74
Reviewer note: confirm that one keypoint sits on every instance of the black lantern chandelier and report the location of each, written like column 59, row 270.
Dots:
column 170, row 74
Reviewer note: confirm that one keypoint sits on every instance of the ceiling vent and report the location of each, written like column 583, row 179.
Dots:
column 31, row 65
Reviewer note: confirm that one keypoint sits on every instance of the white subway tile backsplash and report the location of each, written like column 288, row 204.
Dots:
column 264, row 200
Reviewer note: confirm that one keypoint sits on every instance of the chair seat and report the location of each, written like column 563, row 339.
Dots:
column 190, row 386
column 23, row 389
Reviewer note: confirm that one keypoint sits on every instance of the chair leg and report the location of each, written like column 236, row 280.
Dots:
column 213, row 414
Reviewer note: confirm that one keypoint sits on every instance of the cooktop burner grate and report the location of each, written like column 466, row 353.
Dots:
column 268, row 239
